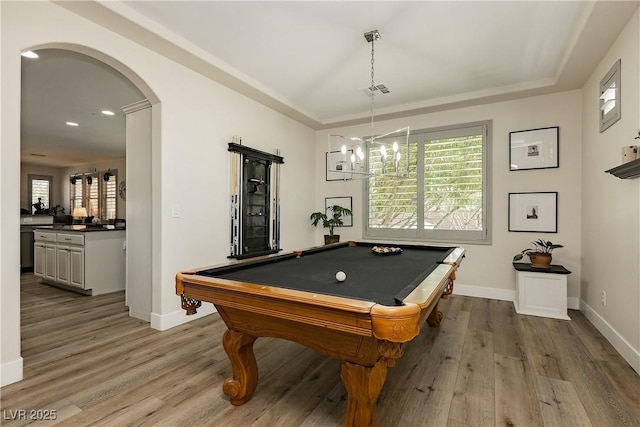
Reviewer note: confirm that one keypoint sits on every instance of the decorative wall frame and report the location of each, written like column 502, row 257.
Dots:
column 533, row 212
column 345, row 202
column 534, row 149
column 610, row 95
column 338, row 167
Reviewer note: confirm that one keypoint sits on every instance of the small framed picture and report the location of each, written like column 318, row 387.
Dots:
column 534, row 149
column 345, row 202
column 536, row 212
column 339, row 166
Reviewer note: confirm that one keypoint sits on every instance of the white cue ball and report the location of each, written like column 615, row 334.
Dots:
column 341, row 276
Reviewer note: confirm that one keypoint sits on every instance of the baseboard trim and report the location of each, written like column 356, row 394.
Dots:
column 483, row 292
column 573, row 303
column 500, row 294
column 140, row 315
column 162, row 322
column 11, row 372
column 630, row 354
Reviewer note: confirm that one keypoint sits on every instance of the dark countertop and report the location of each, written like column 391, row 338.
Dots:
column 553, row 268
column 81, row 228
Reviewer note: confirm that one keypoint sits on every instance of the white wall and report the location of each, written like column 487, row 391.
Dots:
column 611, row 206
column 139, row 281
column 190, row 160
column 195, row 172
column 10, row 360
column 487, row 269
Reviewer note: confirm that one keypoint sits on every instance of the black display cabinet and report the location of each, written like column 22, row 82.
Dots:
column 255, row 203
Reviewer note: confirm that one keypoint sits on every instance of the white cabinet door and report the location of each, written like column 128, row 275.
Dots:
column 62, row 255
column 50, row 261
column 76, row 266
column 39, row 259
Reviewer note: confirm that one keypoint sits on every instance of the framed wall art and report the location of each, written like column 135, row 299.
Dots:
column 345, row 202
column 338, row 167
column 534, row 149
column 534, row 212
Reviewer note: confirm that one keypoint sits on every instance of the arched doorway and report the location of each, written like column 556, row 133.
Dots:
column 137, row 134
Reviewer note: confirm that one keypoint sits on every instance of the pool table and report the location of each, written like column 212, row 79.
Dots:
column 364, row 320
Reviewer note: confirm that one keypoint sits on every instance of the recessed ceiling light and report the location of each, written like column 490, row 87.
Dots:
column 72, row 124
column 108, row 113
column 29, row 54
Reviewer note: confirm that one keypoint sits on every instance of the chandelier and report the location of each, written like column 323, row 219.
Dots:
column 375, row 154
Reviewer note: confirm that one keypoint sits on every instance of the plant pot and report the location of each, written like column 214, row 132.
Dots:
column 540, row 260
column 328, row 239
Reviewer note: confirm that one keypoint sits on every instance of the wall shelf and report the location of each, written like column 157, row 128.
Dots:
column 626, row 171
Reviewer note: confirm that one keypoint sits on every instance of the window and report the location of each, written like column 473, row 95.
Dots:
column 97, row 191
column 91, row 194
column 39, row 189
column 444, row 196
column 109, row 205
column 76, row 192
column 610, row 97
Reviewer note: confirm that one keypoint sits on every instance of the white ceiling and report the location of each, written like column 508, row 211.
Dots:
column 314, row 54
column 310, row 59
column 62, row 86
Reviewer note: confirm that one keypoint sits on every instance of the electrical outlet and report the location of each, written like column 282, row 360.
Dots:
column 604, row 298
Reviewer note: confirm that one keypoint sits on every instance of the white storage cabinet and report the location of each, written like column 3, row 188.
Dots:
column 90, row 262
column 541, row 292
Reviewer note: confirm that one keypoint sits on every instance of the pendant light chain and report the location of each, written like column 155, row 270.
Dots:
column 372, row 88
column 362, row 148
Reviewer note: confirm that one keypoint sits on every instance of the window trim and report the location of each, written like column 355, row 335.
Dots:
column 483, row 236
column 104, row 195
column 30, row 179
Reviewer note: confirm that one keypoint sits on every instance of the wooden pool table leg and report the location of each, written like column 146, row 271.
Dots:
column 435, row 317
column 363, row 386
column 448, row 290
column 239, row 348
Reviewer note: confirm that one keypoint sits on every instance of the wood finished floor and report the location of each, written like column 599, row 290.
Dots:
column 485, row 366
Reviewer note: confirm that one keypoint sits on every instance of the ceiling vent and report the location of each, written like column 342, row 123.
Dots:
column 369, row 91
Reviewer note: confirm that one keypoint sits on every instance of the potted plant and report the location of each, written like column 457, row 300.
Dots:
column 540, row 254
column 330, row 221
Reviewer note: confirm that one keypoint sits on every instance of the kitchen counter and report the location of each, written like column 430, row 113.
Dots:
column 86, row 259
column 81, row 228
